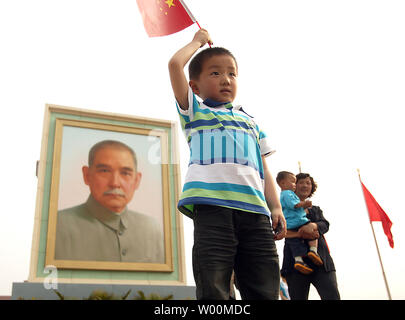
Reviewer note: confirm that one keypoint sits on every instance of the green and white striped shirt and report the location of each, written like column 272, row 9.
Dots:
column 225, row 166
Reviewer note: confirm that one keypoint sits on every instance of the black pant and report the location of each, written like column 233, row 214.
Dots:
column 324, row 282
column 227, row 239
column 298, row 246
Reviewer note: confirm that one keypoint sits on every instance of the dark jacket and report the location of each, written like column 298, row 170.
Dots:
column 314, row 215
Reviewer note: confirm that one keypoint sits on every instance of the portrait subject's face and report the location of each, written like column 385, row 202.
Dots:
column 112, row 178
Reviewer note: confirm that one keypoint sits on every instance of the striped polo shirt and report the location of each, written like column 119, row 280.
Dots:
column 225, row 167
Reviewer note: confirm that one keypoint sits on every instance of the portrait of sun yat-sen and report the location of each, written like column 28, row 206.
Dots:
column 108, row 198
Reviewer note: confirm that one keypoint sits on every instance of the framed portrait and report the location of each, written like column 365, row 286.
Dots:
column 108, row 187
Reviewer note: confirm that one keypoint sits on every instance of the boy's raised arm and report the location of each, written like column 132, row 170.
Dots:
column 178, row 62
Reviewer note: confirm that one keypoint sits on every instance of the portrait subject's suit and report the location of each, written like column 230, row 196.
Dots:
column 91, row 232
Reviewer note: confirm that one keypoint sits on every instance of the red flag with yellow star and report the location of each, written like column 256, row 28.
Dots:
column 164, row 17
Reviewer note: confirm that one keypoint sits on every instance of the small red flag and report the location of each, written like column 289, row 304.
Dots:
column 164, row 17
column 376, row 213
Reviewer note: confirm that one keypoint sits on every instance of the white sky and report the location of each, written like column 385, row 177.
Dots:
column 324, row 79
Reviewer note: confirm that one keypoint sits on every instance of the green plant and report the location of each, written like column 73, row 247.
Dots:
column 103, row 295
column 96, row 295
column 152, row 296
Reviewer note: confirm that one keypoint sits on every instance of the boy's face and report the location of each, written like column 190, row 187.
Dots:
column 218, row 79
column 288, row 183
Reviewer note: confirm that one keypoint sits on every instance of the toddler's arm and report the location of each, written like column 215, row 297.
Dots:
column 178, row 62
column 304, row 204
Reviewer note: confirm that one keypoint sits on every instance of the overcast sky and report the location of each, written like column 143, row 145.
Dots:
column 324, row 79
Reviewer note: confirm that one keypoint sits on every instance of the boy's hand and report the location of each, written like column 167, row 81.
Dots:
column 279, row 224
column 202, row 36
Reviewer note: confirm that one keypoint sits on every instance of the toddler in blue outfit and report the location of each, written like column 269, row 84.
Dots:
column 295, row 215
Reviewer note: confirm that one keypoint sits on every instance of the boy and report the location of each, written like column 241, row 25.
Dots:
column 295, row 215
column 228, row 189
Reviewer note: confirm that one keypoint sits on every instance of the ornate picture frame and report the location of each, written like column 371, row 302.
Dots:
column 66, row 207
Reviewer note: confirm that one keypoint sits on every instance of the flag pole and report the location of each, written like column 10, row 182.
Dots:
column 191, row 16
column 378, row 250
column 299, row 166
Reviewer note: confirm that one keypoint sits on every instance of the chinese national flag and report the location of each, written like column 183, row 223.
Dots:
column 163, row 17
column 376, row 213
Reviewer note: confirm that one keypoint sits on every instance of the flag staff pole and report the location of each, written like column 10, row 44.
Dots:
column 191, row 16
column 299, row 166
column 378, row 250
